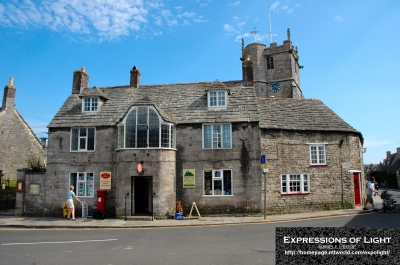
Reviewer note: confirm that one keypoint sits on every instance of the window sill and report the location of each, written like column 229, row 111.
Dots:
column 231, row 195
column 318, row 165
column 295, row 193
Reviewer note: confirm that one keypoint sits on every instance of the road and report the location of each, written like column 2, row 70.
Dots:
column 229, row 244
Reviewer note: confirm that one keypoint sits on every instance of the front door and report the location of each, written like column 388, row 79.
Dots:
column 141, row 196
column 357, row 190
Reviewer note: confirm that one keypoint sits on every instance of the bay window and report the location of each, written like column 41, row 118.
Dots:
column 144, row 128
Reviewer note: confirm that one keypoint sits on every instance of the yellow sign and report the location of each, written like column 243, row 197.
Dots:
column 105, row 180
column 189, row 178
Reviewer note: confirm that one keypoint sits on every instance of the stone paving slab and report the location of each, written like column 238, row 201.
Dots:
column 10, row 221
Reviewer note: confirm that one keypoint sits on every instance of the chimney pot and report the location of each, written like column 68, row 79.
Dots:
column 11, row 81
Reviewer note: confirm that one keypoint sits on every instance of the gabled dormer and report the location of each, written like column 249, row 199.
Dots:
column 217, row 95
column 92, row 99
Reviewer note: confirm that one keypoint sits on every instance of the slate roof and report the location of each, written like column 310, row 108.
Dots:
column 300, row 114
column 186, row 103
column 178, row 103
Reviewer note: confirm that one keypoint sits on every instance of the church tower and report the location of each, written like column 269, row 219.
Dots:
column 273, row 71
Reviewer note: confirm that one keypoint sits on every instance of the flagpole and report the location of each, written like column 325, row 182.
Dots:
column 270, row 26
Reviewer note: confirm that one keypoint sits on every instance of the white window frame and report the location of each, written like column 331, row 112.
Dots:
column 218, row 140
column 164, row 141
column 295, row 183
column 83, row 183
column 90, row 104
column 211, row 189
column 85, row 138
column 217, row 99
column 317, row 154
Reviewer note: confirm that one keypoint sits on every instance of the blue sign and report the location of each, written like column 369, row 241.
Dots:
column 263, row 159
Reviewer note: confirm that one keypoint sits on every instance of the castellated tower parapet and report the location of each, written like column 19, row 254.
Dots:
column 273, row 71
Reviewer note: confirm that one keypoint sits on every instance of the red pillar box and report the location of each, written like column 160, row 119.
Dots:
column 101, row 200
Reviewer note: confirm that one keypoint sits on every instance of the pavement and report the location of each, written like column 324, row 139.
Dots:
column 8, row 220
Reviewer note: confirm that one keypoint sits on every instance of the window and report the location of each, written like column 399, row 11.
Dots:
column 218, row 182
column 82, row 139
column 90, row 104
column 270, row 63
column 83, row 183
column 317, row 154
column 217, row 99
column 295, row 184
column 216, row 136
column 143, row 128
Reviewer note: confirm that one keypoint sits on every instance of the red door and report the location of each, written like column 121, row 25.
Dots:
column 357, row 191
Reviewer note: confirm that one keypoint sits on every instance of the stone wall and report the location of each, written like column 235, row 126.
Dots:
column 32, row 200
column 242, row 159
column 288, row 152
column 159, row 164
column 18, row 143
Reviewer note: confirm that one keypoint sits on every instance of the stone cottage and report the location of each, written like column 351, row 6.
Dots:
column 17, row 140
column 150, row 146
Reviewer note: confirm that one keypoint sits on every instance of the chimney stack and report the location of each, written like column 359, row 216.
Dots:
column 80, row 81
column 9, row 95
column 43, row 141
column 387, row 154
column 135, row 77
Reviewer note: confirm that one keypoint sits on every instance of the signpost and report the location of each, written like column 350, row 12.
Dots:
column 264, row 166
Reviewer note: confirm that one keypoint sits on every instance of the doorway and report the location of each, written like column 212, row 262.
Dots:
column 142, row 188
column 357, row 189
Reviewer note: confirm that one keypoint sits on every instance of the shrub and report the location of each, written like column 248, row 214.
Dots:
column 35, row 164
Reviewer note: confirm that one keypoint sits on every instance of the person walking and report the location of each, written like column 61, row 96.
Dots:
column 370, row 191
column 70, row 203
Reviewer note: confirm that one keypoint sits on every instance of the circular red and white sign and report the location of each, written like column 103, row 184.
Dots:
column 105, row 175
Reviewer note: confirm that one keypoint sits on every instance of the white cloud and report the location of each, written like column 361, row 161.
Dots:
column 101, row 19
column 228, row 28
column 338, row 18
column 275, row 5
column 237, row 3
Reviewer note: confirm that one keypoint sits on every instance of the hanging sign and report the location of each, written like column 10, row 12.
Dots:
column 189, row 179
column 105, row 180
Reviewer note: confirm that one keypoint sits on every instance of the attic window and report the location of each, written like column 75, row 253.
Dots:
column 90, row 104
column 217, row 99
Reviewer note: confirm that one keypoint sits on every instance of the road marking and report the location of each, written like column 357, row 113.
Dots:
column 58, row 242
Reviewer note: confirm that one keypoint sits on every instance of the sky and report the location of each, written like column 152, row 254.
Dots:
column 349, row 50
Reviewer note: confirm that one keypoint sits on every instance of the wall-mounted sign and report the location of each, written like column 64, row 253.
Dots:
column 189, row 178
column 20, row 186
column 139, row 168
column 34, row 189
column 105, row 180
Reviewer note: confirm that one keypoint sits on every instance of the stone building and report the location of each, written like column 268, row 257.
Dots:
column 387, row 171
column 17, row 140
column 150, row 146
